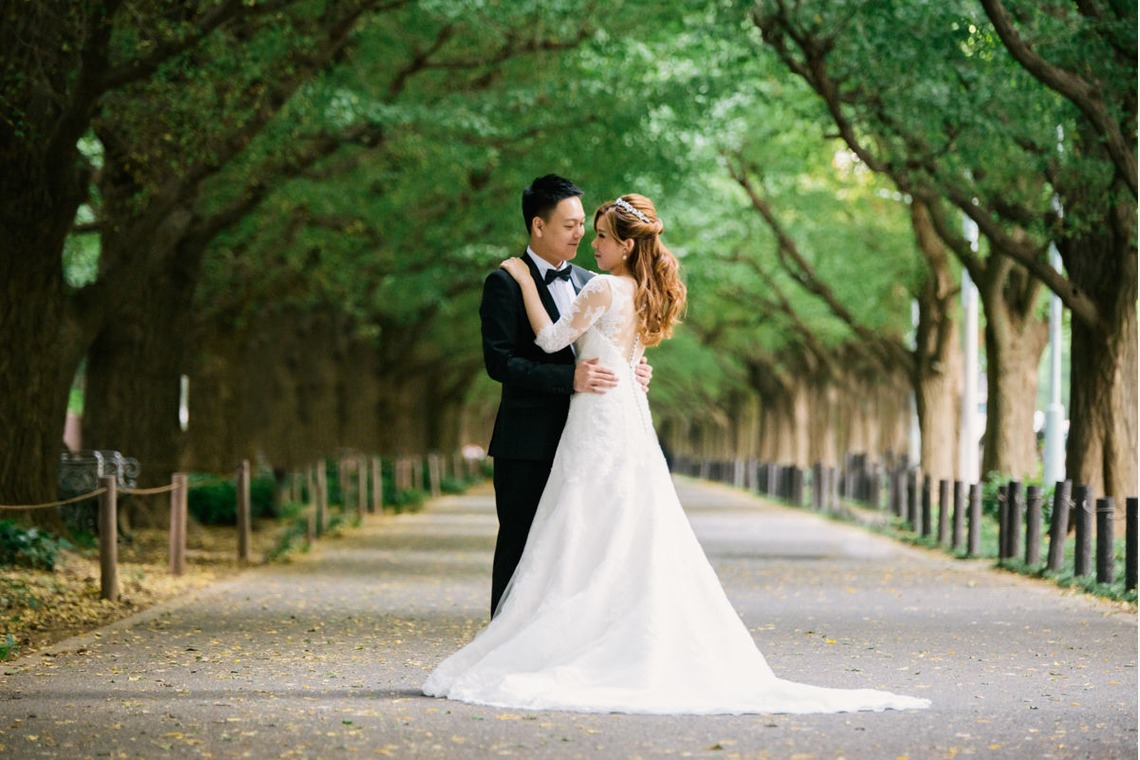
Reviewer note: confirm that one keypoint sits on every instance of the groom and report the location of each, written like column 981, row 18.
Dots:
column 536, row 385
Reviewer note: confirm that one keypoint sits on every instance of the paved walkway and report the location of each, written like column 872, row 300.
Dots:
column 323, row 657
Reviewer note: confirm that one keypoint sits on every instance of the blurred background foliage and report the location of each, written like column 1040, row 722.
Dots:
column 327, row 183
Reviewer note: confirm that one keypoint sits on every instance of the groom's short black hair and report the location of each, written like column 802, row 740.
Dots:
column 541, row 196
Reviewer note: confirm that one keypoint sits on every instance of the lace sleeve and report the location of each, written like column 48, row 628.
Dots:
column 591, row 303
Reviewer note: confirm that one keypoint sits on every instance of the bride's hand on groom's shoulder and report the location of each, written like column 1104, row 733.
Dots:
column 515, row 268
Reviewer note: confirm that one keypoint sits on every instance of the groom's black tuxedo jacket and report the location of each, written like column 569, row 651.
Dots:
column 536, row 385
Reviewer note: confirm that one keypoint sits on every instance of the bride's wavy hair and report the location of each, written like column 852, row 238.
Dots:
column 659, row 296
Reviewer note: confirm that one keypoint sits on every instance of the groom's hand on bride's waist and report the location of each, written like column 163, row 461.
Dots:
column 591, row 377
column 644, row 373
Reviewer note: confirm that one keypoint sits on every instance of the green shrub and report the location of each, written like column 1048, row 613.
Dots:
column 408, row 500
column 452, row 485
column 213, row 501
column 28, row 547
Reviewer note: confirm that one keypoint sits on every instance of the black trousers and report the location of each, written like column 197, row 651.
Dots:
column 518, row 487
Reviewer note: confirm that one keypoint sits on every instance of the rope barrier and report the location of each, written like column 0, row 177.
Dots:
column 93, row 494
column 84, row 497
column 148, row 491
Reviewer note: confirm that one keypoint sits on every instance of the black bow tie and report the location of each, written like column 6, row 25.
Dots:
column 557, row 274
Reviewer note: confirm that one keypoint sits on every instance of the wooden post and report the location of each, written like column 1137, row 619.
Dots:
column 295, row 488
column 361, row 488
column 957, row 532
column 342, row 482
column 108, row 540
column 974, row 531
column 243, row 512
column 1032, row 525
column 434, row 475
column 1105, row 554
column 1059, row 524
column 1130, row 543
column 401, row 474
column 417, row 464
column 943, row 511
column 1082, row 516
column 178, row 525
column 377, row 505
column 322, row 500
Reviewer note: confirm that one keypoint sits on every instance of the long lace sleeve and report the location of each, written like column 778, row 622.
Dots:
column 591, row 303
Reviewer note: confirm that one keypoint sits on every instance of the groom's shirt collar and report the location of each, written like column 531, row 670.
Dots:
column 542, row 264
column 562, row 291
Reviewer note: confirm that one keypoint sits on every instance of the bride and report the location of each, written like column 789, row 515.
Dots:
column 613, row 606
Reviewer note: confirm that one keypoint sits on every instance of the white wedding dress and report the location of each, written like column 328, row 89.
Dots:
column 614, row 607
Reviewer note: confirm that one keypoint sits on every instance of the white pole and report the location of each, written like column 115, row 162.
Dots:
column 1053, row 469
column 914, row 440
column 1054, row 464
column 969, row 455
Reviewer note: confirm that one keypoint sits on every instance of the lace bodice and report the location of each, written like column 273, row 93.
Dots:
column 606, row 304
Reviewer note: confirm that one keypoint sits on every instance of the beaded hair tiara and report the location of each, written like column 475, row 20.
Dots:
column 622, row 203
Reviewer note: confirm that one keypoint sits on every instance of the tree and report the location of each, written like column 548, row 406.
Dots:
column 59, row 60
column 969, row 128
column 276, row 120
column 395, row 239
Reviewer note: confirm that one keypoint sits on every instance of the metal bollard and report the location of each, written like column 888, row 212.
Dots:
column 1082, row 516
column 1130, row 543
column 894, row 498
column 974, row 531
column 959, row 521
column 798, row 486
column 926, row 506
column 1105, row 554
column 943, row 511
column 1016, row 516
column 912, row 500
column 1032, row 525
column 1059, row 524
column 1003, row 522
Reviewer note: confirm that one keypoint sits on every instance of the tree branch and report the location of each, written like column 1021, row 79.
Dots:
column 815, row 73
column 1030, row 257
column 306, row 62
column 891, row 352
column 1086, row 96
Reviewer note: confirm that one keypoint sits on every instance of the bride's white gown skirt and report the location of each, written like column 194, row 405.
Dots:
column 614, row 607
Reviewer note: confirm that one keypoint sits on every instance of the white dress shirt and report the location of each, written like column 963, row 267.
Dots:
column 561, row 290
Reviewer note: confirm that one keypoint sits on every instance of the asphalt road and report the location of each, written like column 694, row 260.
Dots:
column 323, row 657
